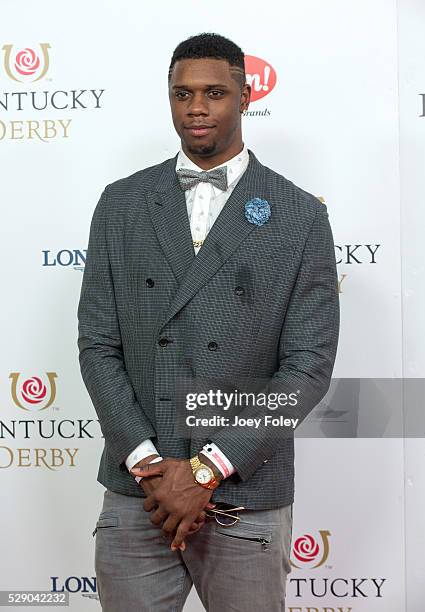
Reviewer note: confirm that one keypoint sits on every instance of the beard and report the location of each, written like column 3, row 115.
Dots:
column 202, row 150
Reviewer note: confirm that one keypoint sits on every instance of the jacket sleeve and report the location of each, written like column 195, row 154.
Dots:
column 307, row 350
column 122, row 420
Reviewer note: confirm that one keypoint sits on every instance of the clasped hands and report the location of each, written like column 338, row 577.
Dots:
column 174, row 499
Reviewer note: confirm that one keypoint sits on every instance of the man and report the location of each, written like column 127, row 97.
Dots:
column 206, row 266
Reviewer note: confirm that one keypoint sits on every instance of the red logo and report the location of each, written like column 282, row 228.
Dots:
column 308, row 551
column 305, row 548
column 33, row 390
column 260, row 75
column 27, row 62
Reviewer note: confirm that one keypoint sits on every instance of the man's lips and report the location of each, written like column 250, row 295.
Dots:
column 200, row 131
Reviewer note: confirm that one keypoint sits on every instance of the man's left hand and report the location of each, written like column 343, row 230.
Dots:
column 179, row 499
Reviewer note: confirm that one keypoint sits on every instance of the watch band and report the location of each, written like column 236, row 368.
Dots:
column 195, row 462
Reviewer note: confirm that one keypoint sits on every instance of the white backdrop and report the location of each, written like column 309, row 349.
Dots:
column 342, row 122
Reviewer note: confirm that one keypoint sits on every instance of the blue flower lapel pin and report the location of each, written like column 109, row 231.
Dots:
column 257, row 211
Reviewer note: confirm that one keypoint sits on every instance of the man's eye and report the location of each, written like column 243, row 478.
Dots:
column 181, row 94
column 214, row 91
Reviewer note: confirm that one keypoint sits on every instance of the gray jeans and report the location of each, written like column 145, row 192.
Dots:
column 241, row 568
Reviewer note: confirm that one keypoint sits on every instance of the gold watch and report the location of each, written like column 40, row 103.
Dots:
column 203, row 474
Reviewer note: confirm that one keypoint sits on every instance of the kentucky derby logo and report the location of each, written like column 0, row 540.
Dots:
column 260, row 75
column 26, row 65
column 309, row 552
column 32, row 393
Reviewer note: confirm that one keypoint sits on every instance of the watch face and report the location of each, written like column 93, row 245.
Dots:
column 203, row 475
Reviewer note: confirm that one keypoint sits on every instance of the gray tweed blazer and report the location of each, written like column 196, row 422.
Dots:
column 152, row 312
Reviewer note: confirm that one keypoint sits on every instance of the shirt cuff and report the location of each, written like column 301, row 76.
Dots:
column 219, row 459
column 144, row 449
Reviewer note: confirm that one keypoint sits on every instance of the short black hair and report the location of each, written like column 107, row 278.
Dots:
column 214, row 46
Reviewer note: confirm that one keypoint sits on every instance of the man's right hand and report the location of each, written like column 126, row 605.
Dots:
column 149, row 483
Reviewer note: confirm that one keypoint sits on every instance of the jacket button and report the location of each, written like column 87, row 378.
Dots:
column 163, row 341
column 239, row 290
column 212, row 346
column 150, row 282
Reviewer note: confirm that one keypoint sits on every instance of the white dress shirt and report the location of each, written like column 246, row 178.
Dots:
column 204, row 203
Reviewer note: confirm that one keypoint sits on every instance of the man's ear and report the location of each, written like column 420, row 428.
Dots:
column 245, row 97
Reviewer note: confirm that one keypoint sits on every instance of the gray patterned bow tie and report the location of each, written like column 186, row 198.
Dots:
column 190, row 178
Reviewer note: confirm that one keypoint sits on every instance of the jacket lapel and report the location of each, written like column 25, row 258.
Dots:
column 168, row 210
column 167, row 207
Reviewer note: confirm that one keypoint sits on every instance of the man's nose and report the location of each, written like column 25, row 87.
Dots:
column 198, row 105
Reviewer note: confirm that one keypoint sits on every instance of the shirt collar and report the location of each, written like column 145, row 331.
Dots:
column 235, row 166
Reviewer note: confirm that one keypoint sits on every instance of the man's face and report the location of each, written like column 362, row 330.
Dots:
column 206, row 104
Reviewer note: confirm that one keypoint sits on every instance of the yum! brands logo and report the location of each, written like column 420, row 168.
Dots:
column 26, row 65
column 33, row 394
column 310, row 552
column 261, row 75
